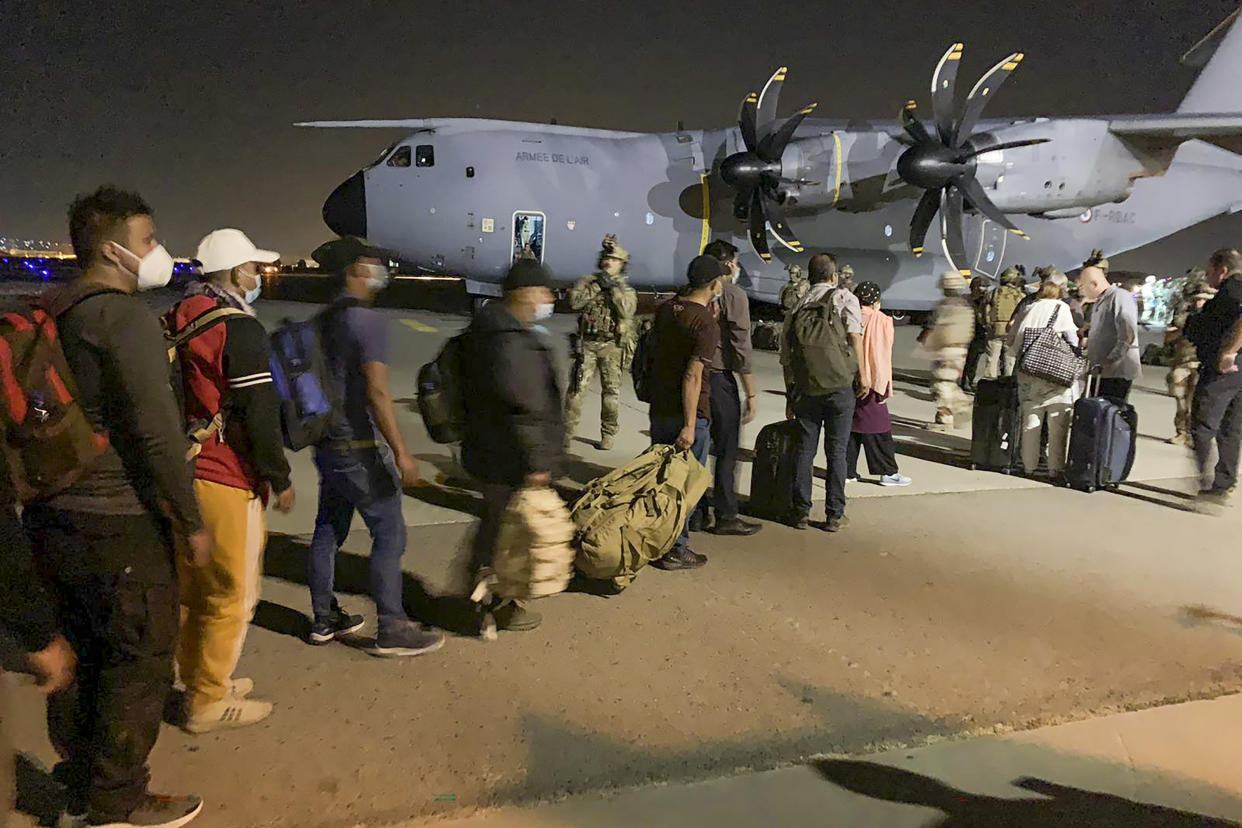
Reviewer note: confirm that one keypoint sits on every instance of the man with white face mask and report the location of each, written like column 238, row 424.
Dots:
column 231, row 404
column 104, row 545
column 515, row 426
column 363, row 461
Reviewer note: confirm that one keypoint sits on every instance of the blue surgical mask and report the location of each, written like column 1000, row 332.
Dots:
column 543, row 311
column 252, row 295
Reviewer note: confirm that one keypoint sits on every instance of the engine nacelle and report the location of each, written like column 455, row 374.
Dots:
column 1082, row 165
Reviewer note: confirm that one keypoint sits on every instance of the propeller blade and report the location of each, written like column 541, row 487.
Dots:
column 769, row 98
column 773, row 147
column 911, row 123
column 943, row 80
column 981, row 94
column 951, row 229
column 741, row 205
column 1005, row 146
column 922, row 219
column 780, row 228
column 746, row 120
column 758, row 227
column 977, row 198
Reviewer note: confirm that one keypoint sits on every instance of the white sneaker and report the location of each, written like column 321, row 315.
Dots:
column 241, row 687
column 231, row 712
column 895, row 480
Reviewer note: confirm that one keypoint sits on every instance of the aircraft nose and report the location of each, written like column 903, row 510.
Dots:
column 345, row 211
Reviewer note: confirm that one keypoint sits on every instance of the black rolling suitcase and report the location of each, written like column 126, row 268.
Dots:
column 1102, row 442
column 996, row 432
column 772, row 476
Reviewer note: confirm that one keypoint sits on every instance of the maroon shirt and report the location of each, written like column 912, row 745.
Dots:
column 684, row 331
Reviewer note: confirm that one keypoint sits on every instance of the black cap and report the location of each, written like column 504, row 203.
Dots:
column 338, row 254
column 704, row 270
column 526, row 273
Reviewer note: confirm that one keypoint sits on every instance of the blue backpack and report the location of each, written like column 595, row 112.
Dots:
column 299, row 373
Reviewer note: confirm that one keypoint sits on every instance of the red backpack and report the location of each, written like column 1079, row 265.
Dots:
column 47, row 439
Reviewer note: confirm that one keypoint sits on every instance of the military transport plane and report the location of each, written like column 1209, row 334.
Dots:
column 467, row 196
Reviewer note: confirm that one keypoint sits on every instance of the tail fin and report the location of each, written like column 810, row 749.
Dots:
column 1217, row 89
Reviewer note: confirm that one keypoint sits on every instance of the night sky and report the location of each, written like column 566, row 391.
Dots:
column 193, row 104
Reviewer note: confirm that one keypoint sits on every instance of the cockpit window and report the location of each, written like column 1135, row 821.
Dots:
column 381, row 157
column 425, row 155
column 400, row 158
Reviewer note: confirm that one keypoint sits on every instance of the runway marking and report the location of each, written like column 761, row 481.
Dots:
column 419, row 326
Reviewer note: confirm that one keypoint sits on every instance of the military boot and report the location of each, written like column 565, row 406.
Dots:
column 944, row 421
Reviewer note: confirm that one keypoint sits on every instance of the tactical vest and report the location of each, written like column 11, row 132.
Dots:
column 598, row 319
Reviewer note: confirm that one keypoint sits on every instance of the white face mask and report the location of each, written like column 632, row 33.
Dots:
column 543, row 311
column 154, row 269
column 252, row 295
column 379, row 277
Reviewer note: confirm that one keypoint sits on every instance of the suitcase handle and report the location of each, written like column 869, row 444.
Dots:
column 1094, row 375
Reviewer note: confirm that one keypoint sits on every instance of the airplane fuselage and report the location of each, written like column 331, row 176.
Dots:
column 465, row 197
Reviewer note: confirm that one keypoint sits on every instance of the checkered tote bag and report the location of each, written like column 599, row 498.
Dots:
column 1046, row 354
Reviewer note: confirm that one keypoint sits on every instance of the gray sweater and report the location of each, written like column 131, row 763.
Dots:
column 1112, row 341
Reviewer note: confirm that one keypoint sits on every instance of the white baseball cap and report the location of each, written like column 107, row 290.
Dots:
column 226, row 249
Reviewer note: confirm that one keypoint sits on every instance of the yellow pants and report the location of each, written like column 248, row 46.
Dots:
column 218, row 600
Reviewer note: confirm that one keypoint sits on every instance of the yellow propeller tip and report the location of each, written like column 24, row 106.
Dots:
column 964, row 271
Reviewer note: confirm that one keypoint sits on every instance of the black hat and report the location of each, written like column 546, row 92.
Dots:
column 704, row 270
column 336, row 255
column 526, row 273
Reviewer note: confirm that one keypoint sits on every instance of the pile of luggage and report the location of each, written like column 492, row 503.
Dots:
column 1102, row 440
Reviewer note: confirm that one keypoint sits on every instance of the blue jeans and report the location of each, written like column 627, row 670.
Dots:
column 364, row 480
column 664, row 431
column 834, row 413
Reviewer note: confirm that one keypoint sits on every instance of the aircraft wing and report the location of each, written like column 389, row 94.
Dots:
column 380, row 123
column 1168, row 131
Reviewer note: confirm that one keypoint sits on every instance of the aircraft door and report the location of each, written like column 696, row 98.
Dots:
column 528, row 235
column 992, row 239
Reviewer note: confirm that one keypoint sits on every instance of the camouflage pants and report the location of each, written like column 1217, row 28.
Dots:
column 606, row 356
column 947, row 370
column 1182, row 380
column 998, row 361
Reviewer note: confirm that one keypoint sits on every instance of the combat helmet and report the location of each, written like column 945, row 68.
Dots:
column 613, row 249
column 1011, row 276
column 952, row 282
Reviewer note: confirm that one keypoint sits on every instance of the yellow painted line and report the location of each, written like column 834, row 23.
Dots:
column 419, row 326
column 836, row 196
column 955, row 56
column 1011, row 66
column 964, row 271
column 707, row 215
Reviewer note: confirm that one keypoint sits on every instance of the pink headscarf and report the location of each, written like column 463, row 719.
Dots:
column 877, row 361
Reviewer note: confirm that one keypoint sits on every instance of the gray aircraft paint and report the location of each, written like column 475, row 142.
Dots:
column 1114, row 183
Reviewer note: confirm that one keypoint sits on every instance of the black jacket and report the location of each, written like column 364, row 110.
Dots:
column 515, row 424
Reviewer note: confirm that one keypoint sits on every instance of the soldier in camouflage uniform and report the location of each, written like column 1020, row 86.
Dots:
column 979, row 292
column 794, row 289
column 606, row 305
column 948, row 337
column 1183, row 374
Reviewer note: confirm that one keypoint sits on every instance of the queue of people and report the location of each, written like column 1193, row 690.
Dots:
column 145, row 565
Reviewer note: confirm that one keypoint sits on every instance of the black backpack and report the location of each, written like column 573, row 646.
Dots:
column 440, row 398
column 642, row 369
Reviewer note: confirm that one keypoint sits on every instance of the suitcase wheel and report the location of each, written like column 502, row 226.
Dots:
column 1089, row 489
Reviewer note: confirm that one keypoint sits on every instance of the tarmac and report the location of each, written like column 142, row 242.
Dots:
column 966, row 605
